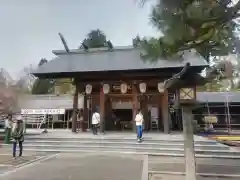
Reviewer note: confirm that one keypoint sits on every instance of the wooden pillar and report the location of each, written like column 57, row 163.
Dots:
column 159, row 106
column 109, row 106
column 102, row 110
column 165, row 112
column 108, row 112
column 134, row 105
column 85, row 113
column 75, row 109
column 90, row 108
column 144, row 109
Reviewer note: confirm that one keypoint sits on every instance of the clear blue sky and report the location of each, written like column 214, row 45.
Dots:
column 29, row 28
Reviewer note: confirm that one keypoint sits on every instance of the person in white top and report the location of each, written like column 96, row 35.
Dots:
column 95, row 121
column 139, row 125
column 8, row 128
column 8, row 122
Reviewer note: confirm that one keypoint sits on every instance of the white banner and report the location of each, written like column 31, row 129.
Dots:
column 42, row 111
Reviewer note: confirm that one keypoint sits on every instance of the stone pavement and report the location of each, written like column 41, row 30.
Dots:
column 7, row 160
column 85, row 166
column 201, row 168
column 7, row 163
column 205, row 166
column 180, row 177
column 103, row 166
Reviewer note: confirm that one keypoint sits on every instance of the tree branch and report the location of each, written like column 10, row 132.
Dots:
column 191, row 43
column 231, row 13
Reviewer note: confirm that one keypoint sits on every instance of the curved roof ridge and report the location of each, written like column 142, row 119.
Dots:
column 93, row 50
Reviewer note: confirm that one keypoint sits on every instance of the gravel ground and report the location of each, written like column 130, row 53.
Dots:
column 86, row 166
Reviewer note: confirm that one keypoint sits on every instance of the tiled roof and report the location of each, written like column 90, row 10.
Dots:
column 127, row 58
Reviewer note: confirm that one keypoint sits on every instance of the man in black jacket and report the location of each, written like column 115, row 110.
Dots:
column 18, row 137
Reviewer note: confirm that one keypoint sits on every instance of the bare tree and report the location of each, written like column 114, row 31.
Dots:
column 26, row 79
column 8, row 100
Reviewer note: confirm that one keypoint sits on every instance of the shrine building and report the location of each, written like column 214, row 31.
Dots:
column 118, row 83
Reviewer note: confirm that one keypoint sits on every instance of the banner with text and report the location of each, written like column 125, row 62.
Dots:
column 42, row 111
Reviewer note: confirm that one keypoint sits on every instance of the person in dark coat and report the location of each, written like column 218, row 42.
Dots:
column 18, row 136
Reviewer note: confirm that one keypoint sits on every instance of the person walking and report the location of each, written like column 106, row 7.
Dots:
column 139, row 125
column 18, row 136
column 8, row 129
column 95, row 121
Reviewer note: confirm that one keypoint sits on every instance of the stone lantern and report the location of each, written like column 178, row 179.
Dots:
column 186, row 95
column 184, row 85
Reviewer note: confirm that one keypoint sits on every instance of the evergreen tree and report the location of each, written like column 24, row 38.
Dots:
column 95, row 39
column 205, row 25
column 209, row 26
column 43, row 86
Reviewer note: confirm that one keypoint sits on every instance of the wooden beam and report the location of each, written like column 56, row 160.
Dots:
column 124, row 77
column 75, row 109
column 102, row 111
column 165, row 112
column 134, row 105
column 95, row 82
column 85, row 112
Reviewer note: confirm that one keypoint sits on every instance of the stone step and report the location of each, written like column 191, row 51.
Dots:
column 113, row 140
column 124, row 151
column 133, row 144
column 129, row 148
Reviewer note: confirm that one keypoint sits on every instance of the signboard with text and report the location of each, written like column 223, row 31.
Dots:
column 42, row 111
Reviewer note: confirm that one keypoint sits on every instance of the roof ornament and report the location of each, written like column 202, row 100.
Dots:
column 64, row 42
column 85, row 47
column 110, row 45
column 136, row 41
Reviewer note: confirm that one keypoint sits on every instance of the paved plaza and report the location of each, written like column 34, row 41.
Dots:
column 100, row 165
column 86, row 166
column 204, row 165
